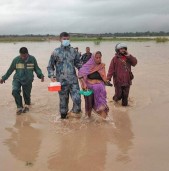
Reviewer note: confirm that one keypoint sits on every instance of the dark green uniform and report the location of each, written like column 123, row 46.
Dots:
column 23, row 77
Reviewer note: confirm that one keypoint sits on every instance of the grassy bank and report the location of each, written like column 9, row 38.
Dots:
column 161, row 39
column 136, row 39
column 111, row 39
column 27, row 38
column 94, row 39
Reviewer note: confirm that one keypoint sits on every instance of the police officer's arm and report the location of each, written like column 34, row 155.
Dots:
column 78, row 63
column 37, row 70
column 10, row 71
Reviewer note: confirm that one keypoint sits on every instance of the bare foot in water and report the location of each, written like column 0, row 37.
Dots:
column 103, row 114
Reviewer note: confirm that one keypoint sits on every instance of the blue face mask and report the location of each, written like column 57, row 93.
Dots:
column 65, row 42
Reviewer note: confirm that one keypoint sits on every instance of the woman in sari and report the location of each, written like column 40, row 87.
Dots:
column 92, row 76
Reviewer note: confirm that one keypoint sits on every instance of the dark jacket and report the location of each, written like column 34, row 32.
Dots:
column 120, row 70
column 85, row 57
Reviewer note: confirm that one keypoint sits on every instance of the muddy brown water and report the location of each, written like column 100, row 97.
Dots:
column 134, row 139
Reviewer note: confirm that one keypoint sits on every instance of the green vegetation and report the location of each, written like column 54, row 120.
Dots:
column 97, row 42
column 27, row 38
column 161, row 39
column 141, row 34
column 96, row 38
column 23, row 39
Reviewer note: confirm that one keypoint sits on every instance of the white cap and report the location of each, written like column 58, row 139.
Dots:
column 121, row 45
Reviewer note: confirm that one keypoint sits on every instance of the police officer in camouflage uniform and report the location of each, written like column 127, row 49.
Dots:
column 24, row 65
column 61, row 68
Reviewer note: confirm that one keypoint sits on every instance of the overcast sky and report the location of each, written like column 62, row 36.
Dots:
column 83, row 16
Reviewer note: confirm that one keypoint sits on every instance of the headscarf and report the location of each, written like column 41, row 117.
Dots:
column 90, row 67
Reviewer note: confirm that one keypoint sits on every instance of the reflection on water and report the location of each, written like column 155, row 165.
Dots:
column 124, row 135
column 72, row 125
column 80, row 144
column 89, row 144
column 25, row 140
column 74, row 153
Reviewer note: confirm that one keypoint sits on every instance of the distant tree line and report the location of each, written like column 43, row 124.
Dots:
column 141, row 34
column 28, row 35
column 125, row 34
column 131, row 34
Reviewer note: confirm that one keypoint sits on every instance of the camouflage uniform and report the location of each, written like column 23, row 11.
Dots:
column 23, row 77
column 62, row 65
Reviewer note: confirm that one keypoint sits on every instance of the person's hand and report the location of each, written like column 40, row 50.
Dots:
column 127, row 54
column 2, row 81
column 83, row 84
column 84, row 87
column 42, row 79
column 108, row 83
column 53, row 79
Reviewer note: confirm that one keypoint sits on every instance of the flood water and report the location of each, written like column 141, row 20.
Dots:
column 134, row 139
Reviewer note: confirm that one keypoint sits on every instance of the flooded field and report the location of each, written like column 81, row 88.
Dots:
column 134, row 139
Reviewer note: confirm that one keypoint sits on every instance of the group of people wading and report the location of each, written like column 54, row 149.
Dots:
column 62, row 66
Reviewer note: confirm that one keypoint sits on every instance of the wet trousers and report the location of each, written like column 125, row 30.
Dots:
column 16, row 92
column 73, row 91
column 122, row 93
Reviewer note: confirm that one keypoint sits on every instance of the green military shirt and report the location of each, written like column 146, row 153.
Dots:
column 24, row 69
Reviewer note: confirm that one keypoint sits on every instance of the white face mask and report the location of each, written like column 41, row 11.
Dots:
column 65, row 42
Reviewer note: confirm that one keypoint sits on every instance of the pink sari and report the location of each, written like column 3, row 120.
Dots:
column 97, row 101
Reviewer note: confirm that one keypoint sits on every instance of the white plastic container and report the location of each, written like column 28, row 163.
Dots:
column 54, row 86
